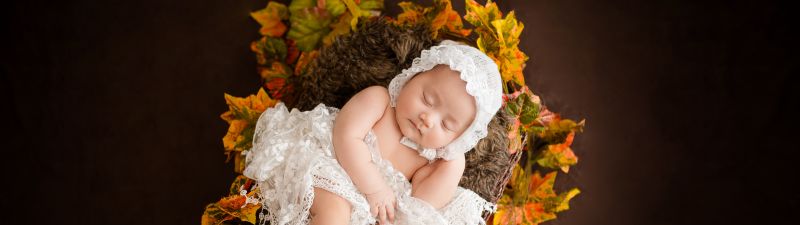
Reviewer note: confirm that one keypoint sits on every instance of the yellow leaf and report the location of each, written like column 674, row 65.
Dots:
column 511, row 59
column 412, row 13
column 340, row 27
column 481, row 16
column 355, row 10
column 270, row 19
column 565, row 197
column 242, row 115
column 233, row 135
column 508, row 214
column 262, row 101
column 248, row 213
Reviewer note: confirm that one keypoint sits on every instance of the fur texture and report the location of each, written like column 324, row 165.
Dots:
column 373, row 55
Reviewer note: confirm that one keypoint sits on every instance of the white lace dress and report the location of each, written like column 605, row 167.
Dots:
column 292, row 153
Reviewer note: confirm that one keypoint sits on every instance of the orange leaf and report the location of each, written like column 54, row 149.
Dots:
column 542, row 187
column 305, row 59
column 270, row 19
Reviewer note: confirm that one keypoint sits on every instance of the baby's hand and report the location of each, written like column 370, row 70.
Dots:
column 382, row 204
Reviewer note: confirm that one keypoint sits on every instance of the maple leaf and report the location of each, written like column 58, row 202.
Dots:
column 241, row 182
column 558, row 155
column 235, row 206
column 564, row 198
column 482, row 16
column 241, row 115
column 447, row 19
column 269, row 49
column 270, row 19
column 508, row 214
column 512, row 60
column 340, row 27
column 499, row 38
column 535, row 213
column 309, row 24
column 276, row 69
column 514, row 137
column 275, row 78
column 305, row 59
column 557, row 129
column 374, row 5
column 232, row 136
column 441, row 17
column 334, row 7
column 412, row 13
column 293, row 52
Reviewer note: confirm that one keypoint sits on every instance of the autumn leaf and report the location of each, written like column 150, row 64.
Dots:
column 270, row 19
column 276, row 69
column 334, row 7
column 305, row 59
column 557, row 129
column 241, row 115
column 275, row 78
column 292, row 52
column 230, row 208
column 558, row 155
column 507, row 214
column 542, row 187
column 373, row 5
column 340, row 27
column 412, row 13
column 241, row 182
column 447, row 19
column 535, row 213
column 514, row 137
column 481, row 16
column 269, row 49
column 564, row 198
column 308, row 26
column 507, row 32
column 441, row 17
column 232, row 136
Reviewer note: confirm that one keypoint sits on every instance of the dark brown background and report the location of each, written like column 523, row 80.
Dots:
column 112, row 107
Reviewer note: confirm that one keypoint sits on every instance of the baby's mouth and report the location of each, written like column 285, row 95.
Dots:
column 415, row 127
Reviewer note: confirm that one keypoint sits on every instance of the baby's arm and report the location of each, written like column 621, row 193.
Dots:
column 353, row 122
column 436, row 183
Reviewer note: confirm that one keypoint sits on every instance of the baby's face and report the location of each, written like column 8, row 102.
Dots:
column 433, row 108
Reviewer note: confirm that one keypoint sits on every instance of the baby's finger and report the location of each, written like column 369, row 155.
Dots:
column 382, row 215
column 373, row 210
column 390, row 212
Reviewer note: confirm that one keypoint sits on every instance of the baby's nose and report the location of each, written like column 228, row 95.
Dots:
column 427, row 121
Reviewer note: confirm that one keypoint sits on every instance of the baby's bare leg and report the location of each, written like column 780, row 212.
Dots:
column 329, row 208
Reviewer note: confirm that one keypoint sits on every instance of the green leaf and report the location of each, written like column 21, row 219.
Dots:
column 308, row 27
column 335, row 7
column 299, row 5
column 273, row 49
column 530, row 110
column 371, row 5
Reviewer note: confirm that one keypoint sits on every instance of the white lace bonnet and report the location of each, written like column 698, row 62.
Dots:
column 483, row 82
